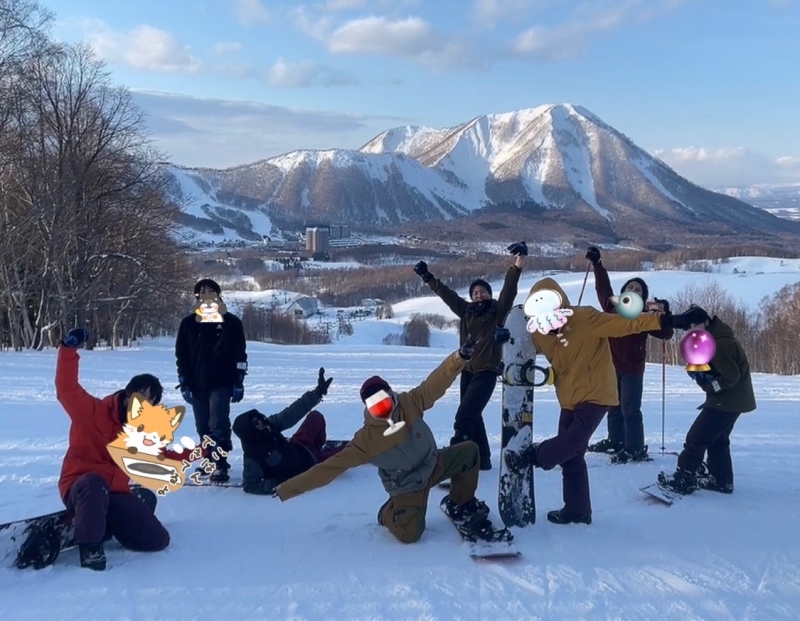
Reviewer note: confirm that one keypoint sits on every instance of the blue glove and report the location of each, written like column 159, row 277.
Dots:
column 702, row 377
column 75, row 337
column 237, row 394
column 502, row 335
column 186, row 392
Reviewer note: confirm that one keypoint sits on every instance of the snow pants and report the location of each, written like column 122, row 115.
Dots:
column 476, row 390
column 99, row 514
column 625, row 424
column 710, row 432
column 212, row 416
column 567, row 449
column 404, row 514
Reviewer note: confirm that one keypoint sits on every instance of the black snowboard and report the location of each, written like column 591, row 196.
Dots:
column 516, row 501
column 37, row 542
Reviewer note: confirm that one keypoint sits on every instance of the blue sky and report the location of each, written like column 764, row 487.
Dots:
column 709, row 86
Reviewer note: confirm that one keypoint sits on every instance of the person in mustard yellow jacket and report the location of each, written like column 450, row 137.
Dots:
column 586, row 387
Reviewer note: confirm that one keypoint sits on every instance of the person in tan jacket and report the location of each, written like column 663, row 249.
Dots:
column 408, row 461
column 586, row 387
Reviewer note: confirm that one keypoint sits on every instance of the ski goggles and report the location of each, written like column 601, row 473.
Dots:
column 380, row 405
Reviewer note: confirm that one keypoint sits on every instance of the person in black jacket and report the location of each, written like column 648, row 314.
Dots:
column 212, row 365
column 478, row 319
column 269, row 458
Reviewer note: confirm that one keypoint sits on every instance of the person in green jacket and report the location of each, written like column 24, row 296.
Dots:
column 478, row 320
column 409, row 463
column 729, row 394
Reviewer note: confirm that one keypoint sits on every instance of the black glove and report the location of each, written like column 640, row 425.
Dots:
column 421, row 268
column 593, row 254
column 322, row 383
column 75, row 337
column 686, row 320
column 664, row 304
column 186, row 392
column 518, row 248
column 702, row 377
column 467, row 349
column 237, row 392
column 502, row 335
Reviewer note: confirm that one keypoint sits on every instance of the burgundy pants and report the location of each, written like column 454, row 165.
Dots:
column 567, row 449
column 99, row 515
column 312, row 435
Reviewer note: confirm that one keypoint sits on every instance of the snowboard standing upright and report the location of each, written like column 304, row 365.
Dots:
column 516, row 502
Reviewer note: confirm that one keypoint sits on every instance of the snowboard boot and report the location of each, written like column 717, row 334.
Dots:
column 682, row 481
column 562, row 517
column 624, row 456
column 604, row 446
column 468, row 515
column 93, row 556
column 220, row 474
column 710, row 483
column 519, row 460
column 380, row 512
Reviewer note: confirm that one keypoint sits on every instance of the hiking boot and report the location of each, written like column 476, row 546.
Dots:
column 682, row 481
column 624, row 456
column 519, row 460
column 710, row 483
column 563, row 517
column 93, row 556
column 604, row 446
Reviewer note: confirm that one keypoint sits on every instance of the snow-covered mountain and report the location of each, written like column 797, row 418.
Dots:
column 551, row 161
column 782, row 200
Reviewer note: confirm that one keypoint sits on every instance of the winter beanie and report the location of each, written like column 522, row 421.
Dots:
column 645, row 288
column 480, row 282
column 373, row 385
column 697, row 314
column 207, row 282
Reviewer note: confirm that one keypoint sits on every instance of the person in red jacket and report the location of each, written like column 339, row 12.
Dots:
column 95, row 490
column 625, row 422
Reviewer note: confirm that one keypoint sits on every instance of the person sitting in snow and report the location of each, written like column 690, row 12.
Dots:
column 271, row 459
column 94, row 489
column 478, row 320
column 729, row 394
column 408, row 460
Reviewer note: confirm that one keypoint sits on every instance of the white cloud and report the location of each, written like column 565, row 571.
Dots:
column 145, row 47
column 303, row 74
column 730, row 166
column 251, row 12
column 568, row 39
column 227, row 47
column 411, row 38
column 219, row 133
column 488, row 13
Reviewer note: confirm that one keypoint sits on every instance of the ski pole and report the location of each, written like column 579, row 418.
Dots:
column 663, row 390
column 585, row 278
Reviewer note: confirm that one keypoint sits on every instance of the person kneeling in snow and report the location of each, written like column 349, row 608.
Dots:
column 408, row 461
column 94, row 489
column 269, row 458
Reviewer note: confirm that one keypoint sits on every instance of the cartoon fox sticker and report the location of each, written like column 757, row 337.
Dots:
column 149, row 429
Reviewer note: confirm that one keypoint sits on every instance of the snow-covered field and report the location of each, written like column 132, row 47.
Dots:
column 323, row 555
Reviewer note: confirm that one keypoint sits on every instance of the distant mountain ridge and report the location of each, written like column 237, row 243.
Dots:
column 553, row 162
